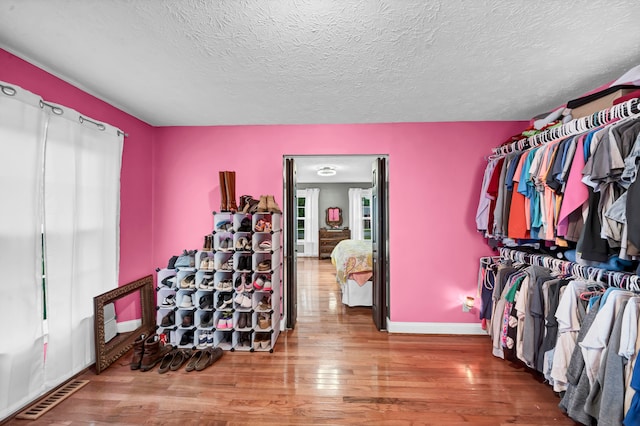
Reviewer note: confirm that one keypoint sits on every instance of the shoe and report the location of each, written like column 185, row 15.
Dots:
column 169, row 281
column 259, row 225
column 224, row 285
column 181, row 356
column 189, row 281
column 264, row 304
column 272, row 206
column 258, row 284
column 228, row 265
column 262, row 204
column 223, row 225
column 138, row 352
column 265, row 245
column 153, row 352
column 206, row 320
column 242, row 263
column 265, row 265
column 187, row 301
column 224, row 300
column 209, row 340
column 223, row 323
column 168, row 301
column 187, row 319
column 207, row 246
column 224, row 244
column 168, row 320
column 242, row 320
column 202, row 340
column 165, row 362
column 224, row 206
column 195, row 357
column 209, row 357
column 187, row 338
column 264, row 321
column 245, row 225
column 211, row 265
column 206, row 301
column 240, row 243
column 206, row 283
column 230, row 185
column 267, row 284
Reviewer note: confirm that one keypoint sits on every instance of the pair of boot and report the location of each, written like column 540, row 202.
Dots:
column 267, row 204
column 228, row 191
column 208, row 243
column 248, row 204
column 147, row 352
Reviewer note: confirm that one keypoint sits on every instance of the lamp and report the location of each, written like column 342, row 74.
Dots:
column 327, row 171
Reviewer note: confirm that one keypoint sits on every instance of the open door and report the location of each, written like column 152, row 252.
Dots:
column 290, row 269
column 380, row 237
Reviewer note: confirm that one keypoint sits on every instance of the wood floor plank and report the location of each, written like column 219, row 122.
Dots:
column 335, row 368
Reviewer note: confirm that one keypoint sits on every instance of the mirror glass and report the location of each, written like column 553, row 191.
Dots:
column 334, row 217
column 120, row 316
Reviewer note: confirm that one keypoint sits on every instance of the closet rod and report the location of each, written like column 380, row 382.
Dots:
column 623, row 280
column 574, row 127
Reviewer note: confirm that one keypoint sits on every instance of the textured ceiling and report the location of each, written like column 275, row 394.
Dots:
column 202, row 62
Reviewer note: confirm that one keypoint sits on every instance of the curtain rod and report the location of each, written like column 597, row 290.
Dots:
column 624, row 280
column 12, row 91
column 574, row 127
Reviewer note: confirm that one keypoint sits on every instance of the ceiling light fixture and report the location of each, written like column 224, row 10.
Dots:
column 327, row 171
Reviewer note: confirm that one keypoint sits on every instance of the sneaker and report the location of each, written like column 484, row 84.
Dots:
column 209, row 340
column 202, row 340
column 169, row 300
column 224, row 285
column 267, row 284
column 224, row 300
column 222, row 323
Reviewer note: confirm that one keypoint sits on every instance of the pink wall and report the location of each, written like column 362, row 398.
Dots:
column 435, row 173
column 135, row 178
column 169, row 187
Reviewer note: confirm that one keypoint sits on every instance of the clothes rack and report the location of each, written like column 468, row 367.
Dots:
column 624, row 280
column 574, row 127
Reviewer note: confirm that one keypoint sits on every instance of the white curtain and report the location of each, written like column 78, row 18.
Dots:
column 22, row 124
column 81, row 219
column 60, row 179
column 355, row 213
column 311, row 220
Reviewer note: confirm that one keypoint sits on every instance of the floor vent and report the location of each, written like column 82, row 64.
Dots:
column 51, row 400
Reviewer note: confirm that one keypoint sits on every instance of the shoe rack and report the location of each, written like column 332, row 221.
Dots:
column 232, row 298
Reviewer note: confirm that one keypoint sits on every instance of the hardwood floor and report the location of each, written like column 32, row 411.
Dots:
column 334, row 368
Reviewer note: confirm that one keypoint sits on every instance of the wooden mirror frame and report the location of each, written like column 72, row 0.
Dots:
column 333, row 223
column 108, row 353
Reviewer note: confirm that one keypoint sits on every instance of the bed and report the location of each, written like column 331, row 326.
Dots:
column 354, row 270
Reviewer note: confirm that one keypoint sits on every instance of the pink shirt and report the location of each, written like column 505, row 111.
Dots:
column 576, row 192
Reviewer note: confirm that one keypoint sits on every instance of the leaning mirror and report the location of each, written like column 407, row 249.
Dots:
column 120, row 316
column 334, row 217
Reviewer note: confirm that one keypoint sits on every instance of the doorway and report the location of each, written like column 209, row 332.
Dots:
column 366, row 173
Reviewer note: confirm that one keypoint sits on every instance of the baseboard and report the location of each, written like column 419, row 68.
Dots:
column 127, row 326
column 434, row 328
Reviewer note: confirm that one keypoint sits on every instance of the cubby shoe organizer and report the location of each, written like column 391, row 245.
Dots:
column 232, row 298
